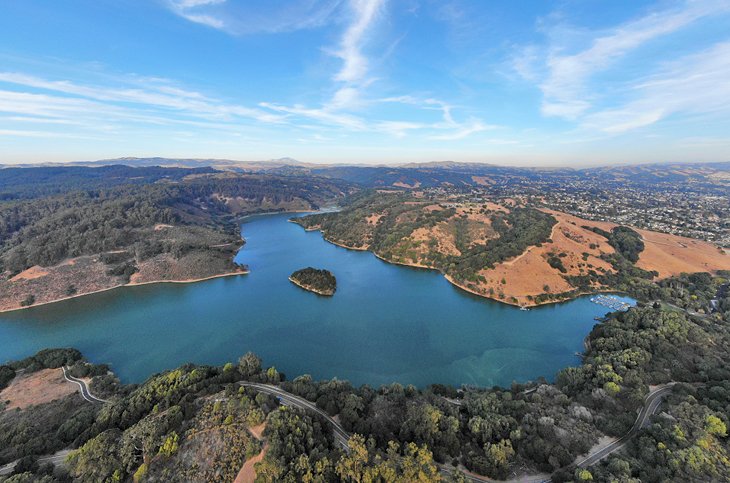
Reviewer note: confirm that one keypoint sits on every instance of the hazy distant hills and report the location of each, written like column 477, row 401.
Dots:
column 455, row 174
column 676, row 176
column 195, row 163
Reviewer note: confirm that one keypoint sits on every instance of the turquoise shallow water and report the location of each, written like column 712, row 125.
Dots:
column 386, row 323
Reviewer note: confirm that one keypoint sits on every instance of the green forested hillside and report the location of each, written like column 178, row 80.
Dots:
column 195, row 420
column 185, row 220
column 45, row 231
column 28, row 183
column 402, row 214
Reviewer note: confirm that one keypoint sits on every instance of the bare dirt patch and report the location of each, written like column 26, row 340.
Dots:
column 482, row 180
column 258, row 431
column 30, row 274
column 248, row 471
column 445, row 242
column 671, row 255
column 36, row 388
column 247, row 474
column 528, row 274
column 401, row 184
column 374, row 219
column 576, row 221
column 432, row 208
column 78, row 276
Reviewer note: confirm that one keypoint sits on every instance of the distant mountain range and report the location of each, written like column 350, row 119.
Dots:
column 451, row 173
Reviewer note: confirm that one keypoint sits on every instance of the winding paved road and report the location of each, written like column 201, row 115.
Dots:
column 289, row 399
column 56, row 459
column 83, row 388
column 341, row 436
column 651, row 404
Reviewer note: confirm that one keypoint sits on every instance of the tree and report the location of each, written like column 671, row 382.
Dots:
column 352, row 465
column 26, row 464
column 715, row 426
column 272, row 375
column 97, row 460
column 418, row 465
column 28, row 301
column 499, row 456
column 583, row 475
column 249, row 365
column 169, row 447
column 612, row 388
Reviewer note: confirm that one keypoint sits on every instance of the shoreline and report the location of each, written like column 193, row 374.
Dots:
column 264, row 213
column 130, row 284
column 357, row 249
column 310, row 289
column 328, row 240
column 529, row 305
column 456, row 284
column 186, row 281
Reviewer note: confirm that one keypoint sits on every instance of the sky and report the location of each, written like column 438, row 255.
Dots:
column 518, row 82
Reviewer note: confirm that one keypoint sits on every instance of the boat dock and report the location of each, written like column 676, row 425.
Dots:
column 612, row 302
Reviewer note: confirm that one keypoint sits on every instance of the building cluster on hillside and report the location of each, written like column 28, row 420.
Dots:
column 703, row 215
column 694, row 215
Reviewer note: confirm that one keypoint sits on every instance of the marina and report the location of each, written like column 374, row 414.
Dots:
column 612, row 302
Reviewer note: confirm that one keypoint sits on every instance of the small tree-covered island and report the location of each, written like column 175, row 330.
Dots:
column 321, row 282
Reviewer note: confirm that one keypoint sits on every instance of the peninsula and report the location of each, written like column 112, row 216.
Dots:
column 511, row 249
column 72, row 231
column 321, row 282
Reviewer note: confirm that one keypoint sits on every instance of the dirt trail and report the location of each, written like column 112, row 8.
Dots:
column 30, row 274
column 248, row 470
column 258, row 431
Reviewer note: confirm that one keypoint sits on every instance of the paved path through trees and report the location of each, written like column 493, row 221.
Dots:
column 651, row 404
column 83, row 388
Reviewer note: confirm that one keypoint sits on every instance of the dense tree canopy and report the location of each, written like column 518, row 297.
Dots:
column 167, row 427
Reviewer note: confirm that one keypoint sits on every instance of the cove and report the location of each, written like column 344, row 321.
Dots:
column 386, row 323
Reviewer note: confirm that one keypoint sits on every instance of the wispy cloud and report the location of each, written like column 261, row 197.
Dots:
column 14, row 133
column 325, row 116
column 464, row 130
column 350, row 79
column 399, row 129
column 693, row 84
column 564, row 78
column 154, row 93
column 450, row 129
column 355, row 64
column 256, row 16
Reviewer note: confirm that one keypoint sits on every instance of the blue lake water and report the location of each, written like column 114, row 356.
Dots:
column 386, row 323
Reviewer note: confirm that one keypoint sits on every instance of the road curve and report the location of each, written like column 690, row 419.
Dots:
column 58, row 458
column 83, row 388
column 341, row 436
column 289, row 399
column 651, row 404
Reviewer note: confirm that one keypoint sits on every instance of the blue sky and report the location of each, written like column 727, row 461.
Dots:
column 366, row 81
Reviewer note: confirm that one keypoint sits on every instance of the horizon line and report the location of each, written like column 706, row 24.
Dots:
column 289, row 161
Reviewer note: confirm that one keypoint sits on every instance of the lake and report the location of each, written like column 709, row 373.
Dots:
column 386, row 323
